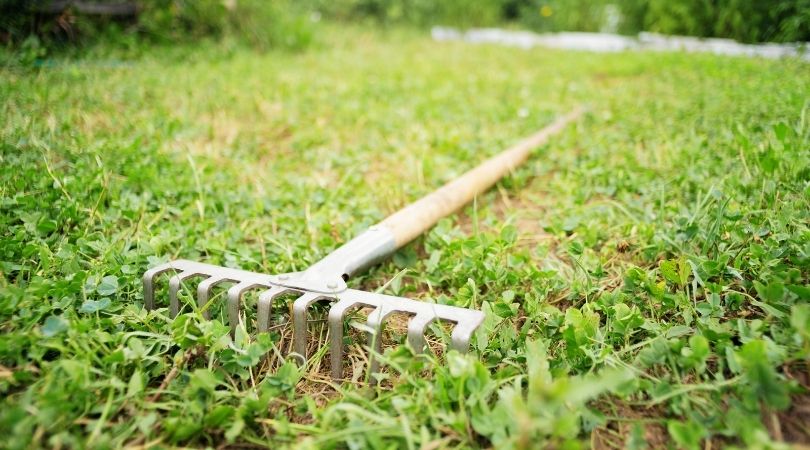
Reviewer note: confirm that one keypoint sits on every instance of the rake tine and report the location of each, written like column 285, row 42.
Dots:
column 336, row 314
column 300, row 312
column 149, row 284
column 265, row 307
column 416, row 331
column 376, row 322
column 462, row 333
column 204, row 291
column 174, row 287
column 234, row 300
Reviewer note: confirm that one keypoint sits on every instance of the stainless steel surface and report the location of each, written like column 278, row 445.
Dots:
column 310, row 290
column 422, row 314
column 329, row 275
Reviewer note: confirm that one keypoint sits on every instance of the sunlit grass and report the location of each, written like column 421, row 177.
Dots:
column 644, row 275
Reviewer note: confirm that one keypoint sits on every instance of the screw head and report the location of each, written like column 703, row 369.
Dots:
column 331, row 285
column 283, row 277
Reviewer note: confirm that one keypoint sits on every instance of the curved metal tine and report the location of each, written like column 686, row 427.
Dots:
column 149, row 284
column 376, row 322
column 265, row 306
column 336, row 314
column 174, row 288
column 463, row 331
column 234, row 300
column 416, row 331
column 204, row 292
column 300, row 312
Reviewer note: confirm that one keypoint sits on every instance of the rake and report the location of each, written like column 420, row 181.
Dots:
column 325, row 281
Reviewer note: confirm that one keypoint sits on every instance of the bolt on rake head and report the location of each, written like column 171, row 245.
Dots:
column 309, row 291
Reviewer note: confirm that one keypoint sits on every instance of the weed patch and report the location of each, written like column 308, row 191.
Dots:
column 645, row 275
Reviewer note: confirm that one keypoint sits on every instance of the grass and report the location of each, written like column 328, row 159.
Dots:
column 645, row 275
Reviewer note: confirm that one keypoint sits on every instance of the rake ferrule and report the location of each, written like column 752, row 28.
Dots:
column 329, row 275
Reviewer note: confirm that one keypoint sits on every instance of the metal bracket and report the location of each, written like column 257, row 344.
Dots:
column 329, row 275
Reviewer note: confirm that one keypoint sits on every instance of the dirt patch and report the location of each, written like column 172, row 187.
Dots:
column 627, row 422
column 94, row 123
column 517, row 209
column 216, row 133
column 317, row 382
column 793, row 424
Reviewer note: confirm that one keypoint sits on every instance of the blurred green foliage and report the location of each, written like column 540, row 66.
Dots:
column 288, row 24
column 35, row 28
column 776, row 20
column 743, row 20
column 418, row 12
column 263, row 24
column 564, row 15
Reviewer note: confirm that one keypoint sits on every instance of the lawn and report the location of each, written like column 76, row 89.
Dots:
column 645, row 274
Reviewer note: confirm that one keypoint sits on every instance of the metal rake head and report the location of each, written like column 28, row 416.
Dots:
column 309, row 291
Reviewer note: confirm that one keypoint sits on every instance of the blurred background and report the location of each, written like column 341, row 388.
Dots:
column 35, row 29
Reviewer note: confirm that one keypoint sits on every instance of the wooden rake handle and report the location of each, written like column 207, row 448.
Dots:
column 416, row 218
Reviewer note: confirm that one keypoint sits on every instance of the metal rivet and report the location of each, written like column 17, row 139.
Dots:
column 331, row 285
column 283, row 277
